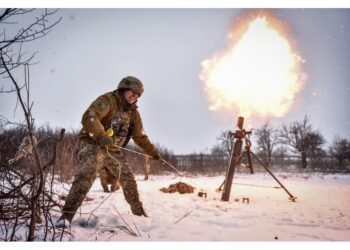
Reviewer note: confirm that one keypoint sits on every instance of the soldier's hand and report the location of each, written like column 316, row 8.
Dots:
column 105, row 141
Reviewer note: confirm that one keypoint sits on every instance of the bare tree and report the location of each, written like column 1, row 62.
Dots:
column 302, row 139
column 15, row 33
column 316, row 140
column 267, row 140
column 224, row 144
column 23, row 198
column 340, row 151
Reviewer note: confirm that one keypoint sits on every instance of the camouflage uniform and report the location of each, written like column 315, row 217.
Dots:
column 108, row 111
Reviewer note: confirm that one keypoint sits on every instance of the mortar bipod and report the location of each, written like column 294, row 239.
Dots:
column 243, row 134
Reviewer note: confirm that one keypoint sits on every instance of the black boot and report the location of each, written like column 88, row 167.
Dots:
column 139, row 210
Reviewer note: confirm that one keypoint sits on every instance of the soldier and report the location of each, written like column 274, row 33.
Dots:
column 114, row 111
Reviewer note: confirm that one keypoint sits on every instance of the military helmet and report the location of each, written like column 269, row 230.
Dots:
column 132, row 83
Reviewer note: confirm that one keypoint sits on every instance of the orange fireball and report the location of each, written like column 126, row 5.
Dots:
column 259, row 74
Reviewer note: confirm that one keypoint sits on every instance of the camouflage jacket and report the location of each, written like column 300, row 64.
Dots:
column 110, row 111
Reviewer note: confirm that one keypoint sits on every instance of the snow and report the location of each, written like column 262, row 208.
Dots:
column 321, row 213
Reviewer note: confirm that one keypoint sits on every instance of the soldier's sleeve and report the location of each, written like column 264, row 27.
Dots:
column 141, row 139
column 92, row 117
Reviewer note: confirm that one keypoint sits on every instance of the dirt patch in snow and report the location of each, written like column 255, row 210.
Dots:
column 180, row 187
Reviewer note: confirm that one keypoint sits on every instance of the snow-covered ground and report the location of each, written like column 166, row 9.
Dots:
column 321, row 213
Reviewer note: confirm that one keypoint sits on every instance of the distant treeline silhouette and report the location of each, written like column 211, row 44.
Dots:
column 283, row 156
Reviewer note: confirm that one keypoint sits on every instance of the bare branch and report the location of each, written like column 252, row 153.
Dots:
column 39, row 28
column 302, row 139
column 34, row 31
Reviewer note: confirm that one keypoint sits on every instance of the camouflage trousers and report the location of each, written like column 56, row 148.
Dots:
column 92, row 158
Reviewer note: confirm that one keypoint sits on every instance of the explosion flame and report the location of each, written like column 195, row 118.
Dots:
column 259, row 74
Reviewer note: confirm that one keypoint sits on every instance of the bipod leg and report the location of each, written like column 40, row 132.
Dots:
column 223, row 183
column 291, row 197
column 220, row 188
column 249, row 159
column 248, row 144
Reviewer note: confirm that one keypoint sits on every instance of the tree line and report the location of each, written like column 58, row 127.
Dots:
column 296, row 144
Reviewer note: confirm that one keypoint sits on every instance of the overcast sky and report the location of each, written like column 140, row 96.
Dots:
column 89, row 52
